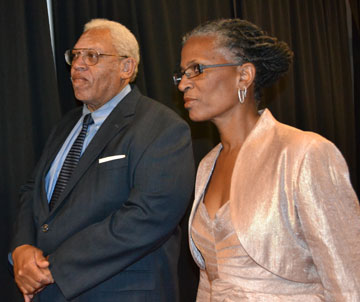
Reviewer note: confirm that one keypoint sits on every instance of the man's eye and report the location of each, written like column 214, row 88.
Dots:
column 92, row 55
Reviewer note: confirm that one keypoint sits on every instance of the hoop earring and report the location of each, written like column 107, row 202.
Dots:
column 242, row 95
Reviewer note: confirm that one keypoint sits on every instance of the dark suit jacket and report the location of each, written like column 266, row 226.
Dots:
column 113, row 234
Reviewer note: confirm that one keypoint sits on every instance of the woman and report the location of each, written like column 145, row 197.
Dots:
column 275, row 217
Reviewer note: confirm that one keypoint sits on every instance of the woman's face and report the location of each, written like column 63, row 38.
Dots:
column 213, row 93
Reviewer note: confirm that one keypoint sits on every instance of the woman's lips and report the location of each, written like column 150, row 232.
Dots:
column 188, row 102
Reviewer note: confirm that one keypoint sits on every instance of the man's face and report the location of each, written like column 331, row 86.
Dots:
column 97, row 84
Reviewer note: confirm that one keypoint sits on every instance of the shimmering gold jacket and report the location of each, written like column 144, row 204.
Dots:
column 293, row 207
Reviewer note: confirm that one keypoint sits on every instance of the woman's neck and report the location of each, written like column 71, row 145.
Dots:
column 235, row 129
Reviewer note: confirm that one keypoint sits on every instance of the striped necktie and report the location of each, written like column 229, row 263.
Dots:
column 70, row 161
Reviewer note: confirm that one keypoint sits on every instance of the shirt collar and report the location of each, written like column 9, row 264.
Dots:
column 101, row 114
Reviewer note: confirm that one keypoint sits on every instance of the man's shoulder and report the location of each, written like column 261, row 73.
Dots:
column 155, row 110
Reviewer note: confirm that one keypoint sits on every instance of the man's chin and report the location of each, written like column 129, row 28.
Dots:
column 89, row 104
column 80, row 96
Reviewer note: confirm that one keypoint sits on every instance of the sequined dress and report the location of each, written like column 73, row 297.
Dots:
column 231, row 275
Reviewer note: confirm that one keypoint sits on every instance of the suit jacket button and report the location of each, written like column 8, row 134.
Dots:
column 45, row 227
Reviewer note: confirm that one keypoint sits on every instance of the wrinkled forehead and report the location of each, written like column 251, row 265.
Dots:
column 99, row 39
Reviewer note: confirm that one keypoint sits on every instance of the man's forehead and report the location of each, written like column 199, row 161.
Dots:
column 94, row 38
column 96, row 31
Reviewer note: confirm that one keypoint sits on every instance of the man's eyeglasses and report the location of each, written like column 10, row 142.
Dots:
column 196, row 69
column 89, row 56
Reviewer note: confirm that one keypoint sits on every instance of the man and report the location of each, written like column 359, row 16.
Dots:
column 105, row 227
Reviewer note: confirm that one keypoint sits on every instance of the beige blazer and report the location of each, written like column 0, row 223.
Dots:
column 293, row 207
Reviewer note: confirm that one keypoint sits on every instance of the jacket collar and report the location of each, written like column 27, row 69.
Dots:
column 117, row 120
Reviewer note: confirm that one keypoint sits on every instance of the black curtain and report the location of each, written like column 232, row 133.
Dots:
column 317, row 94
column 29, row 108
column 355, row 16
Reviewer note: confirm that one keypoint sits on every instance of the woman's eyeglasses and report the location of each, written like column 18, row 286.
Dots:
column 196, row 69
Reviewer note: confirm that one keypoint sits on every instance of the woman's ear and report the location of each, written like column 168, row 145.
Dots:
column 127, row 67
column 247, row 75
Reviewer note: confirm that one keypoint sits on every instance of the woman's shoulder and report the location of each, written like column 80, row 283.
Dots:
column 297, row 139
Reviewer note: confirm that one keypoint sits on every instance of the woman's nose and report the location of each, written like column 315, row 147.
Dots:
column 184, row 84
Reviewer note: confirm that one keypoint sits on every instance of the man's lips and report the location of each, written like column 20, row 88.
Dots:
column 76, row 80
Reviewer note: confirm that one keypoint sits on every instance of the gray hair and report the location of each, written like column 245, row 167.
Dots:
column 123, row 40
column 246, row 42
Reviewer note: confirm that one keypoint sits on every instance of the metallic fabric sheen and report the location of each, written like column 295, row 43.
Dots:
column 234, row 276
column 293, row 208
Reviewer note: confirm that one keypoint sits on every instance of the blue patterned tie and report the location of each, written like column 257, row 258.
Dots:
column 70, row 161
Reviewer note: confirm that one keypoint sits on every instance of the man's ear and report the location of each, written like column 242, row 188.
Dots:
column 127, row 67
column 247, row 74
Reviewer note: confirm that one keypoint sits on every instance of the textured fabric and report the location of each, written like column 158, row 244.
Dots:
column 70, row 161
column 231, row 275
column 113, row 235
column 293, row 208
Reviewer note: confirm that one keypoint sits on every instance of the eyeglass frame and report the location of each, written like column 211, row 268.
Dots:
column 68, row 53
column 177, row 79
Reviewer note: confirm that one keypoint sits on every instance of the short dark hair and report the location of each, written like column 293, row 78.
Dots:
column 249, row 43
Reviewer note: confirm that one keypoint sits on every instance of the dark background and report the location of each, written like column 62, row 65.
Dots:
column 318, row 94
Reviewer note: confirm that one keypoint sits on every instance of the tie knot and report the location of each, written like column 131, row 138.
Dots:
column 88, row 120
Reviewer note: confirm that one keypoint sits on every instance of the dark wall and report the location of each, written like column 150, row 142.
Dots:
column 29, row 107
column 316, row 95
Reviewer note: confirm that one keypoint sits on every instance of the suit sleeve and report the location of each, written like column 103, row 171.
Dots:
column 162, row 186
column 330, row 217
column 24, row 230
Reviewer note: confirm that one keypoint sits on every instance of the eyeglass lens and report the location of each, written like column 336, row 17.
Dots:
column 90, row 57
column 190, row 72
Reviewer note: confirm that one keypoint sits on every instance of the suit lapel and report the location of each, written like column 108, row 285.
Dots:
column 61, row 133
column 60, row 136
column 118, row 119
column 203, row 176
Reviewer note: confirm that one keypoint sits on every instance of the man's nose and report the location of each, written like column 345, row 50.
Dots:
column 78, row 62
